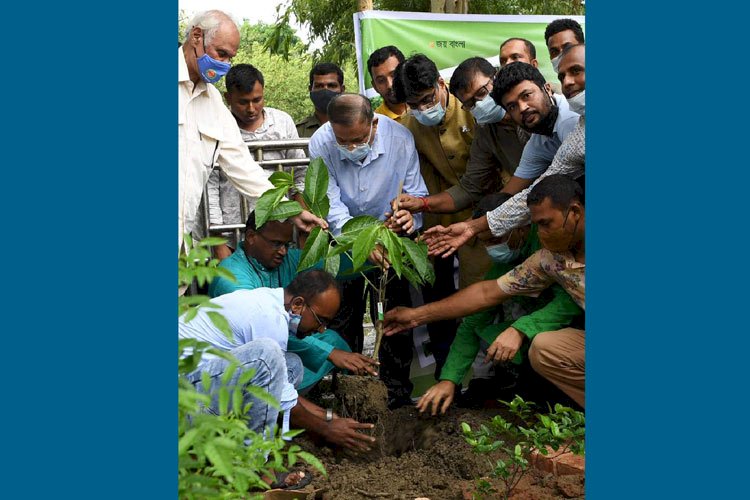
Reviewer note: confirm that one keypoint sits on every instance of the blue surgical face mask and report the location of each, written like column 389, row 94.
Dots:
column 359, row 152
column 577, row 103
column 210, row 69
column 430, row 116
column 502, row 253
column 487, row 111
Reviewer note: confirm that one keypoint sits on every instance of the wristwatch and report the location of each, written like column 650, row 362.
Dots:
column 329, row 414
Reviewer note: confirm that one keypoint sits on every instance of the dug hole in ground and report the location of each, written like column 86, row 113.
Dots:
column 416, row 456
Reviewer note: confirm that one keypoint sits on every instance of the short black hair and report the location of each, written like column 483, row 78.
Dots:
column 464, row 73
column 529, row 46
column 242, row 78
column 346, row 110
column 382, row 54
column 489, row 203
column 414, row 75
column 311, row 283
column 325, row 68
column 560, row 25
column 562, row 190
column 511, row 75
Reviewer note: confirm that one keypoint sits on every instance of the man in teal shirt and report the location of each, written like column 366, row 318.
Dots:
column 265, row 260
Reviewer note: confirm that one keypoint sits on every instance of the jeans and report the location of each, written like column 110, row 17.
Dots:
column 273, row 368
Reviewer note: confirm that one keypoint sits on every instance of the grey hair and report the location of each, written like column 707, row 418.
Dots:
column 209, row 22
column 347, row 109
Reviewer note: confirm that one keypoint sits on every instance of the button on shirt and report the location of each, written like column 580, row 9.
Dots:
column 540, row 150
column 207, row 135
column 367, row 187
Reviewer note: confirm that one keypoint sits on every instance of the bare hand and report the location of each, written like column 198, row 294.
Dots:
column 407, row 202
column 505, row 346
column 379, row 257
column 343, row 432
column 359, row 364
column 402, row 221
column 446, row 240
column 442, row 391
column 306, row 221
column 399, row 319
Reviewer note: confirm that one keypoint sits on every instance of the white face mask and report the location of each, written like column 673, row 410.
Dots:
column 577, row 103
column 487, row 111
column 556, row 64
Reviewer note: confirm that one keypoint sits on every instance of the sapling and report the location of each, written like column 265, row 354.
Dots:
column 359, row 237
column 562, row 429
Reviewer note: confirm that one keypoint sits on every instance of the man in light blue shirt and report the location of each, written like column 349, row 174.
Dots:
column 368, row 157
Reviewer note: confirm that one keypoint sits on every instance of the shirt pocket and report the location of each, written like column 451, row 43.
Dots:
column 210, row 137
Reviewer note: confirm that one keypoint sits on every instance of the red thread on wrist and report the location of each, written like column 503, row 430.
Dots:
column 425, row 204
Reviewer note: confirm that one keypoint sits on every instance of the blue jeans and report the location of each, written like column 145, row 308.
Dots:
column 272, row 368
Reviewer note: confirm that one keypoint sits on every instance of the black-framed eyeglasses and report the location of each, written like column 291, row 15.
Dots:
column 426, row 101
column 469, row 103
column 322, row 323
column 276, row 244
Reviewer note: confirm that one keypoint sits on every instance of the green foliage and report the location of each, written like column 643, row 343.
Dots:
column 562, row 429
column 270, row 206
column 528, row 7
column 218, row 455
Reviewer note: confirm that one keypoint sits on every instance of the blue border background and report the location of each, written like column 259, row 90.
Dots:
column 89, row 203
column 666, row 181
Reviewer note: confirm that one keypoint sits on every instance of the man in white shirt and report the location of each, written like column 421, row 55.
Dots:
column 261, row 321
column 207, row 133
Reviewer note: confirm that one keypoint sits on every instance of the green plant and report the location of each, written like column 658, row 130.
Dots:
column 218, row 455
column 359, row 237
column 562, row 429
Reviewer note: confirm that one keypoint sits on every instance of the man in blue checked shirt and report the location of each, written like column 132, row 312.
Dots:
column 368, row 157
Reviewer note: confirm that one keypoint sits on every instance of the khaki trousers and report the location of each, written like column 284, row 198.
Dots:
column 559, row 356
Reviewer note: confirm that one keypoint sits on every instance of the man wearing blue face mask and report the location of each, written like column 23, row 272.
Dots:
column 368, row 157
column 495, row 150
column 207, row 132
column 326, row 81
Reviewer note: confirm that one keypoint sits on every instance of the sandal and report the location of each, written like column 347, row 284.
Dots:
column 294, row 480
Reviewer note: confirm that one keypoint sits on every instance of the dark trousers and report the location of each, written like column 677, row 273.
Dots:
column 443, row 332
column 396, row 350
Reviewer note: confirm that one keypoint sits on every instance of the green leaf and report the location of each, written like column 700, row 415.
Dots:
column 266, row 203
column 282, row 179
column 263, row 395
column 221, row 323
column 465, row 428
column 355, row 225
column 312, row 460
column 315, row 249
column 392, row 243
column 332, row 264
column 364, row 245
column 416, row 255
column 284, row 210
column 316, row 187
column 186, row 441
column 219, row 460
column 412, row 276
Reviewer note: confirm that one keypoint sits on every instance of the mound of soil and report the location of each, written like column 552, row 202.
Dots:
column 417, row 456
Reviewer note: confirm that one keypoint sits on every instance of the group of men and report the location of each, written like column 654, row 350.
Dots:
column 490, row 171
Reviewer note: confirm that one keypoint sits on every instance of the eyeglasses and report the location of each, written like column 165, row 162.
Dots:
column 321, row 322
column 426, row 101
column 481, row 94
column 276, row 244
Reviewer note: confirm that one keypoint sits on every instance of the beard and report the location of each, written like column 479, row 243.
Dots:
column 546, row 125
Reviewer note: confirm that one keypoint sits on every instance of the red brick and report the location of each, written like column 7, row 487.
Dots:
column 569, row 463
